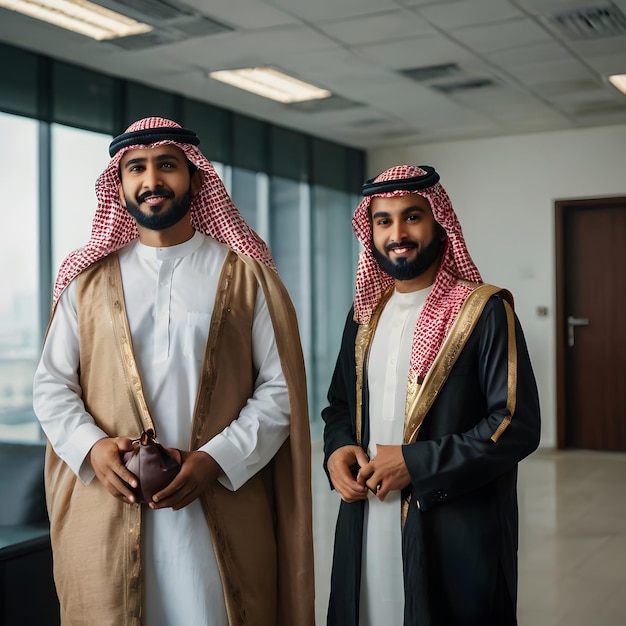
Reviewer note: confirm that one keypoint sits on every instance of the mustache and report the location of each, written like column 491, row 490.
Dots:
column 157, row 191
column 400, row 244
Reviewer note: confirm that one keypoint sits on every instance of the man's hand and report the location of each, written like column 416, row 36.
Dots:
column 343, row 464
column 105, row 457
column 386, row 472
column 198, row 470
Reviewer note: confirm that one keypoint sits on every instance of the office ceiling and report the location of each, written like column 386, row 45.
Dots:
column 401, row 71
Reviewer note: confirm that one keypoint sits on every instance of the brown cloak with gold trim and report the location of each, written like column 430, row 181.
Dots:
column 262, row 532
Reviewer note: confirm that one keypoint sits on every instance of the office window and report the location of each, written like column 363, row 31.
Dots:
column 334, row 271
column 18, row 81
column 19, row 257
column 142, row 101
column 250, row 193
column 293, row 189
column 290, row 226
column 213, row 127
column 289, row 154
column 249, row 143
column 83, row 98
column 78, row 158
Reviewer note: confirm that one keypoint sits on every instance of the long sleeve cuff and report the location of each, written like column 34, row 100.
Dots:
column 75, row 451
column 228, row 457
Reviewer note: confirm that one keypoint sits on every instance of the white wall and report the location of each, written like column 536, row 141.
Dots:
column 503, row 191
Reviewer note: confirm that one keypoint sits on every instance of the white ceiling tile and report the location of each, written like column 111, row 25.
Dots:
column 453, row 15
column 502, row 36
column 502, row 102
column 343, row 73
column 537, row 73
column 243, row 13
column 609, row 64
column 540, row 53
column 600, row 117
column 565, row 87
column 599, row 47
column 322, row 10
column 586, row 99
column 242, row 49
column 549, row 7
column 415, row 52
column 377, row 28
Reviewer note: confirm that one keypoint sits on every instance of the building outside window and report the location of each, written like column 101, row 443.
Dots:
column 296, row 191
column 20, row 337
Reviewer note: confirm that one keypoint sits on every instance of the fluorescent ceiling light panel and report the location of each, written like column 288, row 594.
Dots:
column 79, row 16
column 619, row 82
column 270, row 83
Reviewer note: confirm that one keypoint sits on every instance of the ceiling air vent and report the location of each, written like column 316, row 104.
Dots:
column 464, row 85
column 147, row 40
column 371, row 121
column 332, row 103
column 601, row 107
column 172, row 21
column 153, row 10
column 432, row 72
column 201, row 26
column 593, row 22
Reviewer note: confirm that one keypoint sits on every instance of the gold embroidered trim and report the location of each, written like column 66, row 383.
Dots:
column 207, row 375
column 424, row 395
column 115, row 299
column 362, row 344
column 511, row 397
column 412, row 391
column 448, row 354
column 235, row 607
column 132, row 553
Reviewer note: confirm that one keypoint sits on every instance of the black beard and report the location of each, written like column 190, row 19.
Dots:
column 406, row 269
column 158, row 221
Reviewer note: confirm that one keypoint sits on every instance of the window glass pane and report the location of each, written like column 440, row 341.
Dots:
column 244, row 194
column 289, row 154
column 224, row 172
column 19, row 305
column 83, row 98
column 143, row 101
column 18, row 77
column 213, row 126
column 78, row 158
column 250, row 143
column 330, row 165
column 356, row 172
column 291, row 248
column 334, row 271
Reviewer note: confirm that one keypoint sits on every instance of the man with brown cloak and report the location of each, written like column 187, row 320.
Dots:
column 167, row 320
column 432, row 404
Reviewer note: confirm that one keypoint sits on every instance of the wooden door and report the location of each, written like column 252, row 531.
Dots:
column 591, row 323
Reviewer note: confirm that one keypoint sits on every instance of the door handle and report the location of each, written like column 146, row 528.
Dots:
column 572, row 322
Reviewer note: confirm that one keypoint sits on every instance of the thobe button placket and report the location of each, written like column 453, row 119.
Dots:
column 391, row 376
column 162, row 305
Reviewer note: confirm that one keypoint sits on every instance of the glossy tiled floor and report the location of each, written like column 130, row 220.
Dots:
column 572, row 556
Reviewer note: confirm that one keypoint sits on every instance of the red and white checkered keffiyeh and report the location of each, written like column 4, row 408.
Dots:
column 212, row 212
column 456, row 278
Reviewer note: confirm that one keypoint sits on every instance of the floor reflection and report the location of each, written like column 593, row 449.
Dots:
column 572, row 552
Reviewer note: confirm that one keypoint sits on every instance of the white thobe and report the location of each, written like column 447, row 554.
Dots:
column 169, row 294
column 382, row 585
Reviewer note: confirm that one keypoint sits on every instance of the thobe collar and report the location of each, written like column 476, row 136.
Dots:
column 170, row 252
column 410, row 299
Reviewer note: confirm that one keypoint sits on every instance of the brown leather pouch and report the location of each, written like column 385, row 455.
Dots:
column 154, row 466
